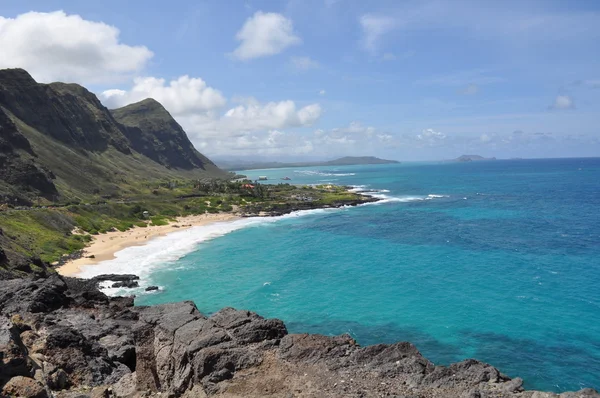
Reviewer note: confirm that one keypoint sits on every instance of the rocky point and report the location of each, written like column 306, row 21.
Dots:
column 62, row 337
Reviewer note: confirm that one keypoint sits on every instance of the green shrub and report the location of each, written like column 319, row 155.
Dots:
column 158, row 221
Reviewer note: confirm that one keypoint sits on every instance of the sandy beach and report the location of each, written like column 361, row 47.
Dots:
column 104, row 246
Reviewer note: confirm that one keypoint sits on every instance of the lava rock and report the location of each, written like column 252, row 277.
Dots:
column 126, row 284
column 20, row 386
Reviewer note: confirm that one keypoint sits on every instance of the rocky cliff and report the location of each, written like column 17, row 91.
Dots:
column 19, row 172
column 153, row 132
column 68, row 144
column 64, row 338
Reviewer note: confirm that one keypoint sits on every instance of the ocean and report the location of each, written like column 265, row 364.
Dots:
column 494, row 260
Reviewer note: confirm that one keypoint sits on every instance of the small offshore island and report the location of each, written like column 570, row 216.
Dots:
column 74, row 172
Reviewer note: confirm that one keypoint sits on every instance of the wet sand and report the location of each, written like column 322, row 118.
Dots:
column 104, row 246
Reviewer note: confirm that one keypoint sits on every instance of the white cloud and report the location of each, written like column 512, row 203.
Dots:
column 389, row 57
column 273, row 115
column 431, row 136
column 249, row 126
column 266, row 143
column 322, row 93
column 304, row 63
column 355, row 137
column 374, row 27
column 182, row 96
column 265, row 34
column 355, row 128
column 485, row 138
column 563, row 102
column 56, row 46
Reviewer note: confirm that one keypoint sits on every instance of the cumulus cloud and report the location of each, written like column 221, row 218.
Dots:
column 354, row 137
column 273, row 115
column 268, row 143
column 374, row 27
column 57, row 46
column 248, row 125
column 265, row 34
column 181, row 96
column 431, row 136
column 485, row 138
column 563, row 102
column 304, row 63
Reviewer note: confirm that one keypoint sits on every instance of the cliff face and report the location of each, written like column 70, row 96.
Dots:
column 18, row 170
column 65, row 142
column 64, row 338
column 153, row 132
column 66, row 112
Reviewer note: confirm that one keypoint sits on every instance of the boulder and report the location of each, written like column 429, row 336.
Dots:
column 126, row 284
column 20, row 386
column 115, row 277
column 13, row 356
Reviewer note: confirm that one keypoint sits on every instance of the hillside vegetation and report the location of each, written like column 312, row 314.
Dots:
column 33, row 237
column 58, row 143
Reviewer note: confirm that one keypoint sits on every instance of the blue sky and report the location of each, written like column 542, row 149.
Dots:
column 407, row 80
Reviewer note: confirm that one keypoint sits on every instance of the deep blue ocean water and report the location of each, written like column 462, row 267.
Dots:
column 495, row 260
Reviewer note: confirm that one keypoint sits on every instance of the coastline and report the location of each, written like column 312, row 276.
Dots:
column 104, row 246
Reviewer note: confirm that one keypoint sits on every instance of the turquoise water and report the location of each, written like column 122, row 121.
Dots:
column 499, row 261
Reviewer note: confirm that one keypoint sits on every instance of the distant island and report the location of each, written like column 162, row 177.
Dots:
column 471, row 158
column 344, row 161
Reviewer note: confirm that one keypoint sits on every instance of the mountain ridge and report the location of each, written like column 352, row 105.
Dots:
column 75, row 148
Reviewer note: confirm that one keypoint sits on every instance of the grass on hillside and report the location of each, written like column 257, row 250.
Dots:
column 47, row 233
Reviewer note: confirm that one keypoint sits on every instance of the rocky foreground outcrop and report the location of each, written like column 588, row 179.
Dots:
column 62, row 337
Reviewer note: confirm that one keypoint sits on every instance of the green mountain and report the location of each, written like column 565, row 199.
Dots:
column 345, row 161
column 59, row 143
column 153, row 132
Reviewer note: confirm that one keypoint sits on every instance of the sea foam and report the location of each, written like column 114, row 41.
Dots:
column 165, row 250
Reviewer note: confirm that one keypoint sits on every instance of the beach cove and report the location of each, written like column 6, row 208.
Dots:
column 104, row 246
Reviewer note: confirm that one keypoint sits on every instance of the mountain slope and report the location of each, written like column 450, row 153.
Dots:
column 18, row 169
column 153, row 132
column 69, row 146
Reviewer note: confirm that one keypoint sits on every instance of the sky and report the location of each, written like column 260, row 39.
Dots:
column 318, row 79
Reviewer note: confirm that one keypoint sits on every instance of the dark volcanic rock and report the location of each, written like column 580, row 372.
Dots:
column 76, row 338
column 43, row 295
column 116, row 277
column 151, row 288
column 20, row 386
column 126, row 284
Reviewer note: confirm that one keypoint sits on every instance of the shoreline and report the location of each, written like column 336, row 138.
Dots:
column 104, row 246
